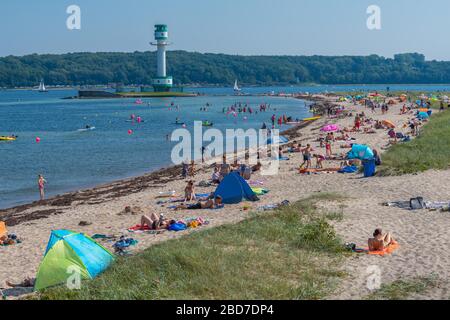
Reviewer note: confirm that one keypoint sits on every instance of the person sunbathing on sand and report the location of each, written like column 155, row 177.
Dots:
column 156, row 223
column 213, row 203
column 379, row 241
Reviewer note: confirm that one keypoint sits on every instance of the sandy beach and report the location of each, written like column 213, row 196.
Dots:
column 422, row 235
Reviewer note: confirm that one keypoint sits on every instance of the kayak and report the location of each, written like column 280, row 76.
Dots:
column 207, row 124
column 3, row 138
column 312, row 119
column 86, row 129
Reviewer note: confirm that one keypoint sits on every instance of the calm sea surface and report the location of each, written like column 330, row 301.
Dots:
column 70, row 159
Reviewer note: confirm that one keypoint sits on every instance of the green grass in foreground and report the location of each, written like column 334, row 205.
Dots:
column 291, row 253
column 431, row 150
column 403, row 289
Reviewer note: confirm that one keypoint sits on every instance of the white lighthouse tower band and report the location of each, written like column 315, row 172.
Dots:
column 162, row 83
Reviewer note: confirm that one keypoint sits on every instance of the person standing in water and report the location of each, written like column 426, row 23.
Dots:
column 41, row 185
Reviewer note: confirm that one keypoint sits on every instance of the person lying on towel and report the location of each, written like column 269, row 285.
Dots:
column 212, row 203
column 379, row 242
column 156, row 223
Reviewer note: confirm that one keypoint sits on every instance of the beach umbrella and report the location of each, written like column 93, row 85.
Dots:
column 388, row 124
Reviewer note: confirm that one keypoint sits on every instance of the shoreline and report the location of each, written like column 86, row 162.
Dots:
column 120, row 187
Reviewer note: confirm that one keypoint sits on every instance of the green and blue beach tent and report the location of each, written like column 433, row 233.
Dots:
column 68, row 251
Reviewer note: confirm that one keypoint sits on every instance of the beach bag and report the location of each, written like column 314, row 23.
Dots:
column 417, row 203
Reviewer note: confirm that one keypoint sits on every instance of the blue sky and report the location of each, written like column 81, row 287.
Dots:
column 248, row 27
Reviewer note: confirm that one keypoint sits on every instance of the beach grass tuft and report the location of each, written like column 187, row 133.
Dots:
column 431, row 150
column 404, row 288
column 290, row 253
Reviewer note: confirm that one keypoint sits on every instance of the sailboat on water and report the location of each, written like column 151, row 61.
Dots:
column 236, row 87
column 42, row 87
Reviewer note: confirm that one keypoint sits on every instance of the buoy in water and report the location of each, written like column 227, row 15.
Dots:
column 130, row 132
column 38, row 139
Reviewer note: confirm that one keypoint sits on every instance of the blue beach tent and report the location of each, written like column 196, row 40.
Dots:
column 234, row 189
column 423, row 115
column 66, row 251
column 361, row 152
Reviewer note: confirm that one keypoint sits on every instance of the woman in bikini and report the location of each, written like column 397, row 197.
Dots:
column 41, row 186
column 212, row 203
column 379, row 242
column 156, row 223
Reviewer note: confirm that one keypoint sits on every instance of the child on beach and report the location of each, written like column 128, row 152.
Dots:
column 41, row 186
column 319, row 160
column 328, row 149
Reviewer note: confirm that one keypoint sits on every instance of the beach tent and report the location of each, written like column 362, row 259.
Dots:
column 3, row 231
column 68, row 251
column 234, row 189
column 423, row 115
column 361, row 152
column 277, row 140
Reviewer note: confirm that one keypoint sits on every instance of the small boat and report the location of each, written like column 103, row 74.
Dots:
column 7, row 138
column 236, row 87
column 207, row 124
column 86, row 129
column 42, row 87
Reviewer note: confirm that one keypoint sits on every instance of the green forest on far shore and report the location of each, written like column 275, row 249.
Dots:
column 138, row 68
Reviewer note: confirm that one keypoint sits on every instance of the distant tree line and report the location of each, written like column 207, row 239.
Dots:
column 219, row 69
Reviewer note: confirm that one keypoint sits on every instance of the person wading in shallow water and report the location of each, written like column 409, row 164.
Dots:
column 41, row 186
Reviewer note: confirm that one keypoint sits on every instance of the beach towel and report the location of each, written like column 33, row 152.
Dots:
column 349, row 169
column 3, row 231
column 256, row 183
column 139, row 227
column 177, row 227
column 101, row 236
column 303, row 171
column 260, row 191
column 388, row 250
column 124, row 243
column 270, row 207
